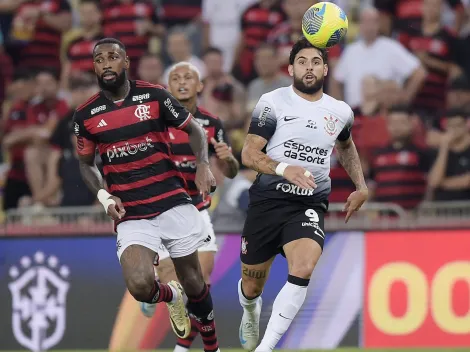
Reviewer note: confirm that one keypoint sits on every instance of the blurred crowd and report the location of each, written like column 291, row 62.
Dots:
column 404, row 69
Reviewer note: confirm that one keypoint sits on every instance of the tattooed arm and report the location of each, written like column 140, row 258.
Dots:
column 90, row 173
column 349, row 158
column 197, row 141
column 254, row 158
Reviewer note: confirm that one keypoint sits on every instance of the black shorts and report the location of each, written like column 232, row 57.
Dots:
column 271, row 225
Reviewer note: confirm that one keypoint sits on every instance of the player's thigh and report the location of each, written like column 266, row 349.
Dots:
column 206, row 252
column 137, row 244
column 302, row 239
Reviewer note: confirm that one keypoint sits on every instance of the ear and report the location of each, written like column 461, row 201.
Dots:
column 200, row 87
column 128, row 62
column 325, row 70
column 290, row 69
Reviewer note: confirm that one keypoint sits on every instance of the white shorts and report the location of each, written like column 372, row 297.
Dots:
column 180, row 229
column 209, row 245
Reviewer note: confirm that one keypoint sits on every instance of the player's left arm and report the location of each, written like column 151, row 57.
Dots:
column 349, row 159
column 220, row 147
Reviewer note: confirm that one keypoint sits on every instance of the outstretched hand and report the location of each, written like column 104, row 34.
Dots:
column 354, row 202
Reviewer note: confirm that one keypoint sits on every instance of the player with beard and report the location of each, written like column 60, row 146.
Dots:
column 292, row 134
column 184, row 84
column 128, row 122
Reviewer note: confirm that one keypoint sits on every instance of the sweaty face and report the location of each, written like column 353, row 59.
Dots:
column 111, row 66
column 184, row 83
column 308, row 71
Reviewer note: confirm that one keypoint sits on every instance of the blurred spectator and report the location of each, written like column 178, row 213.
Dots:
column 436, row 48
column 398, row 171
column 285, row 34
column 45, row 111
column 223, row 95
column 6, row 71
column 37, row 30
column 150, row 69
column 63, row 173
column 180, row 49
column 375, row 55
column 269, row 75
column 403, row 15
column 180, row 12
column 221, row 26
column 15, row 139
column 450, row 174
column 256, row 23
column 79, row 52
column 133, row 22
column 459, row 94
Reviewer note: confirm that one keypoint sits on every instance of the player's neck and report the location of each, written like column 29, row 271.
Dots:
column 190, row 105
column 309, row 97
column 120, row 94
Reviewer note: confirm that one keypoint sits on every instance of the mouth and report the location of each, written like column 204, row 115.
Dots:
column 310, row 77
column 182, row 90
column 109, row 76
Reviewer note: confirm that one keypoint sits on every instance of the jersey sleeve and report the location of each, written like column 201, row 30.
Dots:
column 263, row 120
column 85, row 144
column 345, row 134
column 219, row 135
column 174, row 114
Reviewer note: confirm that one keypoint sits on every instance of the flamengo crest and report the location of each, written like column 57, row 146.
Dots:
column 143, row 112
column 39, row 290
column 330, row 125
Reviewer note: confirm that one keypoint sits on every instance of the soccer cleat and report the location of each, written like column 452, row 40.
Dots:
column 179, row 317
column 249, row 327
column 148, row 309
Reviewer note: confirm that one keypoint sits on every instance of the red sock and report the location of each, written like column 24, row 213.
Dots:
column 161, row 293
column 187, row 342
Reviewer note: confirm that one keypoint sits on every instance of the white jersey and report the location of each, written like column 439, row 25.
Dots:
column 299, row 132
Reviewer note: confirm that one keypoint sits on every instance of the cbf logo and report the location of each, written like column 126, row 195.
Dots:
column 142, row 112
column 39, row 290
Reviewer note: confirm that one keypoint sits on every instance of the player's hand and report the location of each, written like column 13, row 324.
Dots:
column 223, row 151
column 355, row 201
column 116, row 211
column 299, row 177
column 205, row 181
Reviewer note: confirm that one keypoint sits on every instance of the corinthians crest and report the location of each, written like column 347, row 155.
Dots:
column 39, row 290
column 330, row 125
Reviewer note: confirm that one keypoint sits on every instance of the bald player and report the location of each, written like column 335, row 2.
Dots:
column 184, row 84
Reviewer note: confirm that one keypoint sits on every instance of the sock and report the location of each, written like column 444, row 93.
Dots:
column 162, row 293
column 286, row 306
column 201, row 308
column 248, row 304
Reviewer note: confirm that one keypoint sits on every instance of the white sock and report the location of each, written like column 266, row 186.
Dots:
column 247, row 304
column 175, row 294
column 179, row 348
column 286, row 306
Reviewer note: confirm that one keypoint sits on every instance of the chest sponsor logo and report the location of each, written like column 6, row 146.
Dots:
column 128, row 149
column 141, row 97
column 170, row 107
column 186, row 164
column 293, row 189
column 142, row 112
column 98, row 109
column 303, row 152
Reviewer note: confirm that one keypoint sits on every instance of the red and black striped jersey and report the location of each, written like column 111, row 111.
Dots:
column 80, row 53
column 121, row 20
column 184, row 157
column 44, row 48
column 180, row 12
column 134, row 144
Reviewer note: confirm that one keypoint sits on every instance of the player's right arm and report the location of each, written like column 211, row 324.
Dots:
column 85, row 148
column 262, row 128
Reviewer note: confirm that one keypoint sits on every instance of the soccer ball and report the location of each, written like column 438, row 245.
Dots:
column 324, row 24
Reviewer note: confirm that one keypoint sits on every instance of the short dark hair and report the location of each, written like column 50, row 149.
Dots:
column 50, row 71
column 455, row 112
column 213, row 50
column 110, row 41
column 23, row 74
column 400, row 109
column 303, row 43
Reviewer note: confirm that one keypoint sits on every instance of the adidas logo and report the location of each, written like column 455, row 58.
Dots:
column 102, row 123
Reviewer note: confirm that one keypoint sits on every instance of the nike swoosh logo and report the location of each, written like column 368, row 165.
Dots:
column 241, row 338
column 284, row 317
column 179, row 332
column 290, row 118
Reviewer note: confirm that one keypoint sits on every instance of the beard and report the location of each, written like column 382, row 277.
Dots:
column 308, row 88
column 113, row 85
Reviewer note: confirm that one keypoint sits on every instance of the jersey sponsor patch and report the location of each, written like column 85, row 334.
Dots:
column 303, row 152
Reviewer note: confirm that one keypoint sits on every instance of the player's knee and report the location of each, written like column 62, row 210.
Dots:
column 140, row 285
column 252, row 287
column 303, row 268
